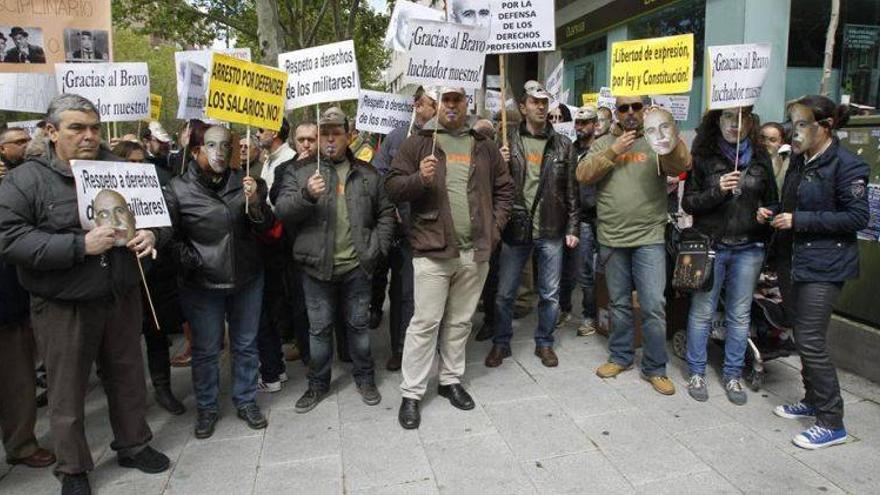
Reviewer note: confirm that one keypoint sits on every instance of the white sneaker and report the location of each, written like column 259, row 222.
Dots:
column 282, row 377
column 270, row 387
column 587, row 328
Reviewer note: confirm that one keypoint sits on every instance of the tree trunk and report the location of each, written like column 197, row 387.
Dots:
column 269, row 31
column 829, row 48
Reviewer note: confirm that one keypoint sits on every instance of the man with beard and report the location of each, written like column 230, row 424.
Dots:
column 85, row 290
column 400, row 259
column 157, row 142
column 277, row 150
column 631, row 204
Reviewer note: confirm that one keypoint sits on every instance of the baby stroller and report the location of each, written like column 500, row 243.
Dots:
column 770, row 335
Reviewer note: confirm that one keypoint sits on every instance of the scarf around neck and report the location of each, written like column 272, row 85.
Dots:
column 729, row 151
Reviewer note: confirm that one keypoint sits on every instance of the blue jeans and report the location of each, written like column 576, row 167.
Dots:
column 207, row 310
column 736, row 272
column 642, row 268
column 548, row 265
column 579, row 266
column 351, row 294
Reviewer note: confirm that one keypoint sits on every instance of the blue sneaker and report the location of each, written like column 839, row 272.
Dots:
column 795, row 411
column 818, row 437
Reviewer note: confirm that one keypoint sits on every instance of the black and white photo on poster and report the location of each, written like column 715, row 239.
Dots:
column 21, row 45
column 86, row 45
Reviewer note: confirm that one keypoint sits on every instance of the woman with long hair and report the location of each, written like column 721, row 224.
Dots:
column 824, row 204
column 732, row 177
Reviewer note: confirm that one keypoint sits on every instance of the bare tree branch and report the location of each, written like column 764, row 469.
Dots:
column 337, row 29
column 349, row 30
column 311, row 37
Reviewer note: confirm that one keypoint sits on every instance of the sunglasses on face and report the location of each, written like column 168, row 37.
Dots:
column 636, row 107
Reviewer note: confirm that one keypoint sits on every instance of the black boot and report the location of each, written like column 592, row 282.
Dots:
column 166, row 399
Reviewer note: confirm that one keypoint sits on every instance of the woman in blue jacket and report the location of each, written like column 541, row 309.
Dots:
column 824, row 204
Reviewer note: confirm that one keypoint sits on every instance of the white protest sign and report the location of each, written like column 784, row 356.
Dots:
column 137, row 184
column 520, row 25
column 554, row 81
column 27, row 92
column 191, row 101
column 493, row 82
column 398, row 35
column 321, row 74
column 566, row 129
column 382, row 112
column 203, row 58
column 446, row 54
column 736, row 74
column 493, row 101
column 677, row 105
column 28, row 125
column 121, row 92
column 606, row 99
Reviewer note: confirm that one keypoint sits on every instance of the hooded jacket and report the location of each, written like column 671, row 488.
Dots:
column 40, row 232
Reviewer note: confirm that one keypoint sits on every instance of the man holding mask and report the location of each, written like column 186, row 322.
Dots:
column 460, row 192
column 343, row 223
column 631, row 204
column 85, row 290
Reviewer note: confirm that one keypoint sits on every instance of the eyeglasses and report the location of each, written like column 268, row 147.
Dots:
column 636, row 107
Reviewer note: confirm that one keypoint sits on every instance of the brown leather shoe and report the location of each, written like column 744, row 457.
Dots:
column 40, row 458
column 496, row 356
column 548, row 357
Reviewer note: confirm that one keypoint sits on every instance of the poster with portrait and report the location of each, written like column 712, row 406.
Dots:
column 36, row 34
column 398, row 35
column 86, row 46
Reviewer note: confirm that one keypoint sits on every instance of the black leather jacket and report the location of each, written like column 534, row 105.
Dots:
column 722, row 216
column 215, row 242
column 559, row 208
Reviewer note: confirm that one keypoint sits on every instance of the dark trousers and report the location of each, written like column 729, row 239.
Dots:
column 490, row 289
column 73, row 336
column 276, row 314
column 18, row 409
column 350, row 293
column 811, row 304
column 298, row 327
column 401, row 293
column 162, row 279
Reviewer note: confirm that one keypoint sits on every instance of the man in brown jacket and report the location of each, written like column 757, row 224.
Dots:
column 460, row 192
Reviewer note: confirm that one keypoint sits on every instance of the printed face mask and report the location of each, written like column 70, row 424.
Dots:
column 111, row 210
column 661, row 131
column 805, row 128
column 217, row 149
column 604, row 124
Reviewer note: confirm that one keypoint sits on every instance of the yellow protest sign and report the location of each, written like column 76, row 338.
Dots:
column 245, row 93
column 155, row 106
column 652, row 66
column 590, row 99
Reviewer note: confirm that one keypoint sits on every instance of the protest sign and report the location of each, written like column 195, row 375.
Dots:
column 872, row 231
column 606, row 99
column 321, row 74
column 155, row 106
column 28, row 125
column 203, row 59
column 121, row 92
column 191, row 100
column 554, row 81
column 138, row 185
column 55, row 32
column 493, row 101
column 383, row 112
column 590, row 99
column 493, row 82
column 245, row 93
column 736, row 74
column 27, row 92
column 446, row 54
column 652, row 66
column 678, row 106
column 398, row 35
column 566, row 129
column 518, row 26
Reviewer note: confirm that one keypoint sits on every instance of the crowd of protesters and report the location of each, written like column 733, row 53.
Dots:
column 292, row 261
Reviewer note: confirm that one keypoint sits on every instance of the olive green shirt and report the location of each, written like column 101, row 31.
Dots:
column 458, row 166
column 344, row 256
column 534, row 150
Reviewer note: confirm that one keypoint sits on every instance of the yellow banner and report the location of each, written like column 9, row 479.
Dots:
column 245, row 93
column 590, row 99
column 652, row 66
column 155, row 106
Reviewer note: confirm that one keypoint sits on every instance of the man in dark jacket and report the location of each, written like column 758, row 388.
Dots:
column 460, row 192
column 84, row 292
column 18, row 410
column 343, row 223
column 400, row 260
column 23, row 52
column 542, row 165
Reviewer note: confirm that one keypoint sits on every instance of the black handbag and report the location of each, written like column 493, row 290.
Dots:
column 518, row 231
column 694, row 263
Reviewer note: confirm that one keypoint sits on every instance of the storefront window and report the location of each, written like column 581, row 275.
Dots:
column 688, row 16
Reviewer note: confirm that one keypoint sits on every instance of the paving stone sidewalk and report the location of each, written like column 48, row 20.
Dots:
column 534, row 430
